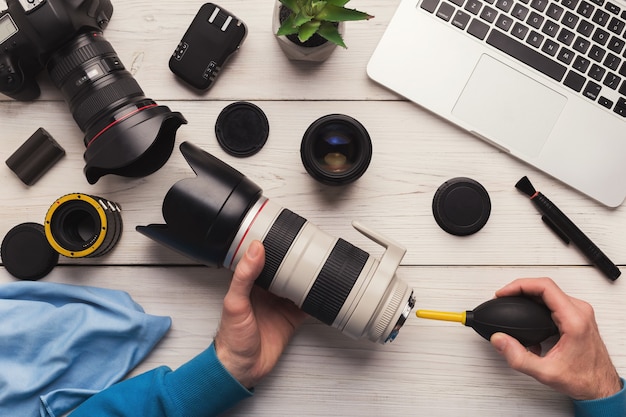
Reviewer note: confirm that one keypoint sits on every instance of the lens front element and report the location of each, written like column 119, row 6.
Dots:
column 336, row 149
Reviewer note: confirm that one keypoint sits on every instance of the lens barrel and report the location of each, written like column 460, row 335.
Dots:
column 214, row 217
column 333, row 282
column 82, row 226
column 336, row 149
column 126, row 133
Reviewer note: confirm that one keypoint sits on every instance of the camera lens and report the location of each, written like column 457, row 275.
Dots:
column 213, row 217
column 81, row 225
column 336, row 149
column 126, row 133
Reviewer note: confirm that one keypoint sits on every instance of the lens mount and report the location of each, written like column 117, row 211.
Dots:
column 81, row 225
column 404, row 315
column 336, row 149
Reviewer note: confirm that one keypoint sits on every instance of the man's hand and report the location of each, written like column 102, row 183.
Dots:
column 579, row 364
column 256, row 325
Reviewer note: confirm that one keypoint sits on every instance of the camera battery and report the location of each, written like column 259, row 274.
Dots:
column 213, row 36
column 35, row 157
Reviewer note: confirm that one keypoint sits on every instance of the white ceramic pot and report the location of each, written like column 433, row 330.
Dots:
column 295, row 51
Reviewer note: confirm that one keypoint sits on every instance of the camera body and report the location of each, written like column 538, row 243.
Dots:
column 32, row 30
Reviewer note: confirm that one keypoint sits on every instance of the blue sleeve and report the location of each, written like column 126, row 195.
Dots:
column 613, row 406
column 201, row 387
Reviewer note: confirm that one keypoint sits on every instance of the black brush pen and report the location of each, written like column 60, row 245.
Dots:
column 567, row 230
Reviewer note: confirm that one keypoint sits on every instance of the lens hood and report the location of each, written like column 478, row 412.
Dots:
column 203, row 214
column 135, row 146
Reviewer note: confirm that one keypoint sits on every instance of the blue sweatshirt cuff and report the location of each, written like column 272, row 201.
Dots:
column 613, row 406
column 203, row 386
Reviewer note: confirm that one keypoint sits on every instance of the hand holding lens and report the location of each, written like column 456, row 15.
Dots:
column 212, row 218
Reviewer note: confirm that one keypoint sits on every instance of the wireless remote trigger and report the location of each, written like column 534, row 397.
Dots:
column 213, row 36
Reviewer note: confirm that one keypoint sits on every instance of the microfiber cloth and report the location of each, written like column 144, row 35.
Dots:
column 60, row 344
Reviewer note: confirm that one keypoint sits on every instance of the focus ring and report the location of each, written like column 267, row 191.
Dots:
column 277, row 242
column 335, row 281
column 97, row 101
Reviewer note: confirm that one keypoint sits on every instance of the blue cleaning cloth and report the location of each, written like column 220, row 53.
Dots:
column 60, row 344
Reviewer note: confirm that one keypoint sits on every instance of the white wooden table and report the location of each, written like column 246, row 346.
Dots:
column 432, row 368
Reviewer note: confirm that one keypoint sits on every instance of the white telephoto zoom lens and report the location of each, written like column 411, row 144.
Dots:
column 327, row 277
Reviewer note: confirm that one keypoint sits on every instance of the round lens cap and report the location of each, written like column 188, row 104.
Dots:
column 26, row 253
column 461, row 206
column 242, row 129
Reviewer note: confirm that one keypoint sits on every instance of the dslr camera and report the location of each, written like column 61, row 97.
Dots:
column 126, row 133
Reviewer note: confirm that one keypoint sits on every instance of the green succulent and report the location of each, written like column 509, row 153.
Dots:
column 309, row 17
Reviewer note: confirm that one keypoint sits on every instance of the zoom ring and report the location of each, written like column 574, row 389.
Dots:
column 335, row 281
column 74, row 60
column 277, row 242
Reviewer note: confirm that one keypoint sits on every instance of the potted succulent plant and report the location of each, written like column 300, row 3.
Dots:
column 310, row 30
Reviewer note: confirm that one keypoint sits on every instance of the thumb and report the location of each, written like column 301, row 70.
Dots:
column 248, row 270
column 516, row 355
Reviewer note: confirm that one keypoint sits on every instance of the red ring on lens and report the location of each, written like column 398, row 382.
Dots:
column 121, row 119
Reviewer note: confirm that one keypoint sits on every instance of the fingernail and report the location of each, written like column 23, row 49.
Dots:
column 253, row 250
column 498, row 342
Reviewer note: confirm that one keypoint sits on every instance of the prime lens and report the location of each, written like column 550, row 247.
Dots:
column 81, row 225
column 126, row 133
column 336, row 149
column 214, row 217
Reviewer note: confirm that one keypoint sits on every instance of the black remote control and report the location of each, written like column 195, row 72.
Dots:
column 213, row 36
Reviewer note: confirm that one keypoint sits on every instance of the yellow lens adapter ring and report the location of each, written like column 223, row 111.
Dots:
column 81, row 225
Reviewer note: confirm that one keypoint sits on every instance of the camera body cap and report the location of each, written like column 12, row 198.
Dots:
column 26, row 253
column 242, row 129
column 461, row 206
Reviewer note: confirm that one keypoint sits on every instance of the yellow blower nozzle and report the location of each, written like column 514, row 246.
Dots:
column 442, row 315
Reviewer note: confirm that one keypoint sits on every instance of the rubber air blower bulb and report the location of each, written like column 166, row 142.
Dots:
column 526, row 320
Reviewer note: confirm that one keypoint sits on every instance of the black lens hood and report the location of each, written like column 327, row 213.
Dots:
column 135, row 147
column 203, row 214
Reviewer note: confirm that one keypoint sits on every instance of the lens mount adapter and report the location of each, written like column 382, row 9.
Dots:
column 81, row 225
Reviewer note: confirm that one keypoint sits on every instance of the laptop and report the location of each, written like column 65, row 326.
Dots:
column 543, row 80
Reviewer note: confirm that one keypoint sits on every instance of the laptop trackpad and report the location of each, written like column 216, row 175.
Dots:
column 509, row 108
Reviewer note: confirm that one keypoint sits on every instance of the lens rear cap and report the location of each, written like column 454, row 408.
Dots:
column 461, row 206
column 26, row 253
column 242, row 129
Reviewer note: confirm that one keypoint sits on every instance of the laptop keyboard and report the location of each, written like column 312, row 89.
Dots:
column 579, row 43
